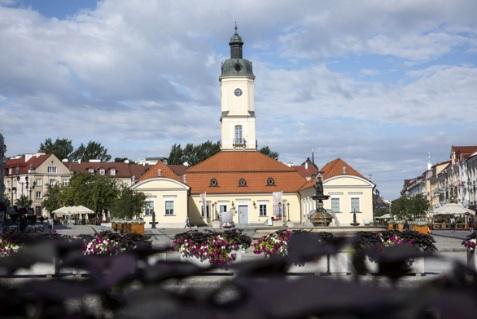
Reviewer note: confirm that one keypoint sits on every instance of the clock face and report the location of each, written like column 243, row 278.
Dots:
column 238, row 92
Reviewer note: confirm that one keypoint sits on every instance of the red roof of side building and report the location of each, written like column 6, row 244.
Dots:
column 23, row 166
column 178, row 169
column 463, row 152
column 161, row 170
column 121, row 170
column 334, row 168
column 311, row 171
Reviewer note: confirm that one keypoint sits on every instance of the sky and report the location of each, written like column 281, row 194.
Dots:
column 380, row 84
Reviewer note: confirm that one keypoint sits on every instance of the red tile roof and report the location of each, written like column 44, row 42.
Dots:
column 23, row 166
column 463, row 152
column 240, row 161
column 178, row 169
column 228, row 167
column 123, row 170
column 311, row 171
column 339, row 167
column 160, row 170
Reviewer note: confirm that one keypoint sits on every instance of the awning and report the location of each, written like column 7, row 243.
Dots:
column 452, row 209
column 385, row 216
column 72, row 210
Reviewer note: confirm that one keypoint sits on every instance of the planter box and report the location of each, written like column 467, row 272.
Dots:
column 137, row 229
column 422, row 229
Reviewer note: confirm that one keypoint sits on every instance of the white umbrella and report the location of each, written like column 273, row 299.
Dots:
column 452, row 209
column 385, row 216
column 72, row 210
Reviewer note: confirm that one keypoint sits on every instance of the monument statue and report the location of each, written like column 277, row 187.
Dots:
column 320, row 217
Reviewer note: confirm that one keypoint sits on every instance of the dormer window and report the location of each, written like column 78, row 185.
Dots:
column 242, row 182
column 270, row 181
column 102, row 171
column 213, row 182
column 112, row 172
column 91, row 170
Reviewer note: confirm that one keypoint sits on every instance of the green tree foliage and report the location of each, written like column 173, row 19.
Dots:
column 409, row 208
column 96, row 192
column 61, row 147
column 194, row 154
column 53, row 198
column 128, row 204
column 122, row 160
column 191, row 153
column 93, row 150
column 23, row 202
column 267, row 151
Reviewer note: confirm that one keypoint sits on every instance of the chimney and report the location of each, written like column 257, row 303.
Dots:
column 343, row 170
column 184, row 179
column 159, row 172
column 306, row 165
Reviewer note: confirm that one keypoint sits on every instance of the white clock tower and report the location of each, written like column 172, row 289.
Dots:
column 237, row 100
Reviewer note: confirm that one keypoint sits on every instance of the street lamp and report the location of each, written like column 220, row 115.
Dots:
column 288, row 210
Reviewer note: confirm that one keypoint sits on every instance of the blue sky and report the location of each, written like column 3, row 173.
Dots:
column 378, row 83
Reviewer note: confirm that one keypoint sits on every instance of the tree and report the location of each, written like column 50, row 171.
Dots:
column 96, row 192
column 175, row 155
column 408, row 208
column 267, row 151
column 128, row 204
column 61, row 147
column 23, row 202
column 53, row 198
column 93, row 150
column 192, row 154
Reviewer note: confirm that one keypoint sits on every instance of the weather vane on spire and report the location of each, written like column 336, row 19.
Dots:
column 235, row 26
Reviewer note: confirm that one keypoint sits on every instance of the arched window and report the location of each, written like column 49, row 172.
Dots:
column 270, row 181
column 213, row 182
column 242, row 182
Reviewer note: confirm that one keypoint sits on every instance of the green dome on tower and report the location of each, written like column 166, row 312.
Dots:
column 236, row 65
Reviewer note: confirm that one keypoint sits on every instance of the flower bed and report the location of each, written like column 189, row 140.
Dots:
column 470, row 242
column 277, row 243
column 102, row 246
column 217, row 248
column 7, row 248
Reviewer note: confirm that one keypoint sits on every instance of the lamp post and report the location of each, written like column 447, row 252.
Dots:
column 288, row 211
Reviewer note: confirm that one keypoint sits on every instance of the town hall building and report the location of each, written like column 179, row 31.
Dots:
column 254, row 188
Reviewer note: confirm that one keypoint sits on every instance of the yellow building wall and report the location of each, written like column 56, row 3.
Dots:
column 159, row 190
column 252, row 201
column 344, row 188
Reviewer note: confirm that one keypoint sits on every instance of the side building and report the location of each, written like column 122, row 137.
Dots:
column 30, row 174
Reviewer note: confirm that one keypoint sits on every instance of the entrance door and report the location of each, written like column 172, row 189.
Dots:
column 243, row 214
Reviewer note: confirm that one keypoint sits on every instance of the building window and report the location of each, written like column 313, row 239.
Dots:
column 38, row 210
column 52, row 182
column 238, row 140
column 66, row 182
column 169, row 204
column 102, row 171
column 335, row 205
column 148, row 207
column 270, row 181
column 38, row 195
column 355, row 204
column 112, row 172
column 214, row 182
column 38, row 182
column 242, row 182
column 262, row 208
column 91, row 170
column 51, row 169
column 205, row 214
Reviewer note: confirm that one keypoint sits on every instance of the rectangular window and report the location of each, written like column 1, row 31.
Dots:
column 66, row 182
column 112, row 172
column 38, row 182
column 51, row 169
column 223, row 208
column 262, row 208
column 355, row 204
column 335, row 205
column 38, row 195
column 148, row 207
column 52, row 182
column 169, row 207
